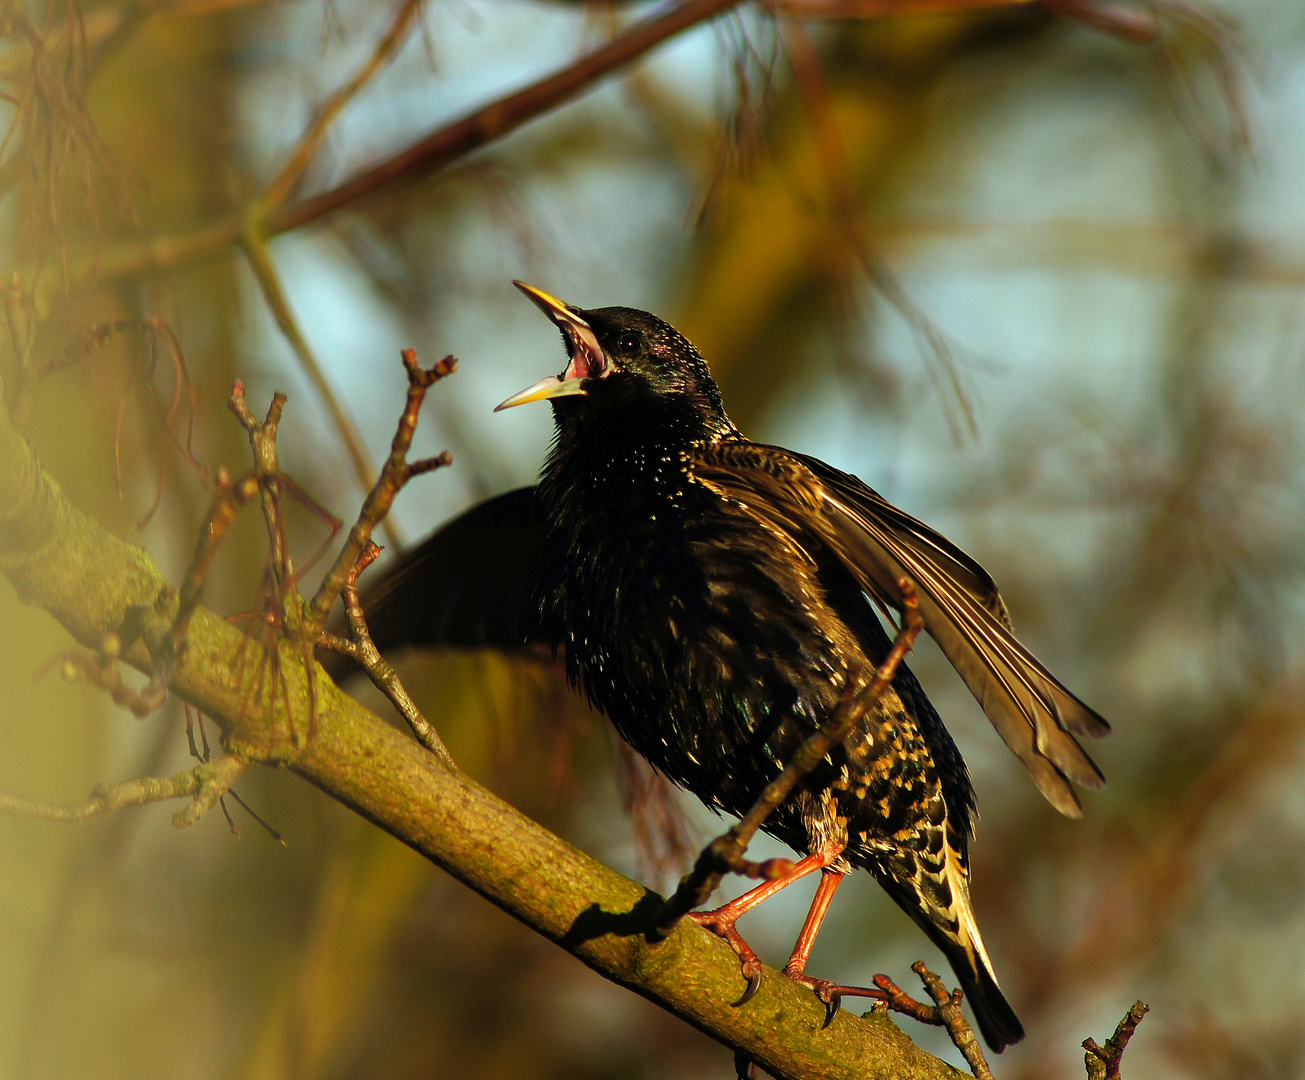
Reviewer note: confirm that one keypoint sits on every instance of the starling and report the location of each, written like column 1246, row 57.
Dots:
column 716, row 599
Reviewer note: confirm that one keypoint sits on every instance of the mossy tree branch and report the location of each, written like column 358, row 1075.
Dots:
column 96, row 584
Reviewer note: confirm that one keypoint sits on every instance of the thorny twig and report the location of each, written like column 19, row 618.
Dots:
column 206, row 783
column 396, row 472
column 365, row 653
column 1103, row 1063
column 725, row 853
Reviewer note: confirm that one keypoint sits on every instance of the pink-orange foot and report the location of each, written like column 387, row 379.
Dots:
column 721, row 923
column 831, row 994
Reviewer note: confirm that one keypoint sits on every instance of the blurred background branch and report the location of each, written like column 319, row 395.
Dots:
column 1037, row 282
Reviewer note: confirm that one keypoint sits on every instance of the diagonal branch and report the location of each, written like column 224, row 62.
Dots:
column 726, row 853
column 311, row 142
column 93, row 582
column 428, row 155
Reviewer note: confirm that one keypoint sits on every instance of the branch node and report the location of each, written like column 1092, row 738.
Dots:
column 213, row 782
column 1103, row 1063
column 950, row 1016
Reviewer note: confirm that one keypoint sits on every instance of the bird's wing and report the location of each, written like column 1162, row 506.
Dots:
column 470, row 584
column 959, row 602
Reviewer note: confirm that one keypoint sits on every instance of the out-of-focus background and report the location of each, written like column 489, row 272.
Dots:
column 1038, row 285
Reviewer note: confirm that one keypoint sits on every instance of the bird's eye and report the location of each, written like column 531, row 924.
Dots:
column 629, row 343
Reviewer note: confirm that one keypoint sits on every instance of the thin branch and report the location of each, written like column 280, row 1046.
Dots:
column 386, row 49
column 439, row 149
column 216, row 781
column 364, row 652
column 230, row 497
column 725, row 853
column 953, row 1019
column 269, row 281
column 205, row 784
column 262, row 443
column 1103, row 1062
column 396, row 472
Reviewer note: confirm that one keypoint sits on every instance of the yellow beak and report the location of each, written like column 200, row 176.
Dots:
column 588, row 360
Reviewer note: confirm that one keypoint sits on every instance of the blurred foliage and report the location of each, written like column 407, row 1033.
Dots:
column 1024, row 277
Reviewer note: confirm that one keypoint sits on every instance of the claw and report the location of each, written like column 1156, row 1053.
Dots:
column 831, row 1009
column 754, row 984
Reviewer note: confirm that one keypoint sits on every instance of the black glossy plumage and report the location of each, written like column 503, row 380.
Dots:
column 713, row 597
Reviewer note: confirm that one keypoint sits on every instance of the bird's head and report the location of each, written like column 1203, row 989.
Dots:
column 623, row 361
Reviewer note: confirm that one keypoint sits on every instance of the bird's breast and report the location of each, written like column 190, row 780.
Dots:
column 705, row 638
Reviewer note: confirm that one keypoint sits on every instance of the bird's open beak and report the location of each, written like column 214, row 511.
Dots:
column 588, row 360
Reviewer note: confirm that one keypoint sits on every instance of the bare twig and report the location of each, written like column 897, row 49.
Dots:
column 725, row 853
column 205, row 784
column 428, row 155
column 215, row 782
column 1103, row 1062
column 953, row 1019
column 359, row 551
column 269, row 281
column 101, row 669
column 898, row 1000
column 311, row 142
column 396, row 472
column 368, row 657
column 262, row 442
column 230, row 497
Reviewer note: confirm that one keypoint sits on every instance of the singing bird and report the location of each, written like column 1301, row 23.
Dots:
column 716, row 599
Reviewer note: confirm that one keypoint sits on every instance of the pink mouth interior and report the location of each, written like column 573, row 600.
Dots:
column 584, row 363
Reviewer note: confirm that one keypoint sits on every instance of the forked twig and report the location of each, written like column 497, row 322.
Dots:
column 205, row 783
column 365, row 653
column 359, row 552
column 311, row 141
column 945, row 1013
column 725, row 853
column 396, row 472
column 1103, row 1062
column 950, row 1016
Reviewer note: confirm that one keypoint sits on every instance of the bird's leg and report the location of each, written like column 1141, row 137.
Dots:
column 828, row 992
column 832, row 993
column 721, row 921
column 830, row 880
